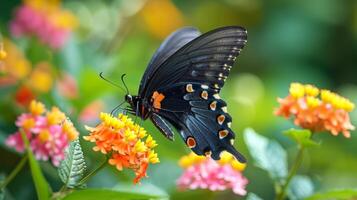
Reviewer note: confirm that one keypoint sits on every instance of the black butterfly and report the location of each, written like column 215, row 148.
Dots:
column 180, row 88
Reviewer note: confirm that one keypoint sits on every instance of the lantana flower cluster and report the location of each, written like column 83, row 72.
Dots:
column 45, row 20
column 127, row 144
column 202, row 172
column 317, row 109
column 48, row 131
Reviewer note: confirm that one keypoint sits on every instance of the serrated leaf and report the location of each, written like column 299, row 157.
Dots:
column 302, row 137
column 252, row 196
column 72, row 168
column 43, row 189
column 335, row 195
column 267, row 154
column 300, row 187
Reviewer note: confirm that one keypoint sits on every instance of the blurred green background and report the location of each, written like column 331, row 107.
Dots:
column 288, row 41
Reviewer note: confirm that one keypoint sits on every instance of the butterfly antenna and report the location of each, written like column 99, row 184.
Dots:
column 111, row 82
column 116, row 108
column 126, row 87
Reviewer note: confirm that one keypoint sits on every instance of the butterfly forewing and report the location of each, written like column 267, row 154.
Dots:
column 188, row 83
column 171, row 44
column 207, row 59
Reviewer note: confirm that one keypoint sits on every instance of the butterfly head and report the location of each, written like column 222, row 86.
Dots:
column 132, row 100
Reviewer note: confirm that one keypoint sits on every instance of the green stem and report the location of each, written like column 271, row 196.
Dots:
column 92, row 173
column 14, row 172
column 292, row 172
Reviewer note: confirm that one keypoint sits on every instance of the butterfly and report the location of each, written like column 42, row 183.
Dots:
column 181, row 85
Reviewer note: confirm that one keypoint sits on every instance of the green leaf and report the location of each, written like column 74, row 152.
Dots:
column 302, row 137
column 144, row 188
column 72, row 168
column 300, row 187
column 335, row 195
column 41, row 185
column 2, row 191
column 267, row 154
column 95, row 194
column 252, row 196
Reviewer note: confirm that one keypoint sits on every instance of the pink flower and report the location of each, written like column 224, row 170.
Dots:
column 49, row 23
column 67, row 86
column 206, row 173
column 89, row 113
column 49, row 133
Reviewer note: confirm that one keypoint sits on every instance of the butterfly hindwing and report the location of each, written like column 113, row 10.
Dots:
column 201, row 116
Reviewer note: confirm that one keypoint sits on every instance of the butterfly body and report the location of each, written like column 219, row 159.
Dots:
column 180, row 88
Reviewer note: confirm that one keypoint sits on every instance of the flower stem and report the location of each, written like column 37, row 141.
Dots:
column 14, row 172
column 292, row 172
column 92, row 173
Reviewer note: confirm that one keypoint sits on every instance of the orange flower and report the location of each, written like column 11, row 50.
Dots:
column 317, row 110
column 161, row 17
column 24, row 96
column 126, row 142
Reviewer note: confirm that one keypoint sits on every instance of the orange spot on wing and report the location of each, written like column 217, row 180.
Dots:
column 157, row 98
column 191, row 142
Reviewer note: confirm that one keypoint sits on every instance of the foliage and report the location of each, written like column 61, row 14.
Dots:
column 335, row 194
column 92, row 194
column 267, row 154
column 41, row 185
column 72, row 168
column 270, row 156
column 302, row 137
column 300, row 187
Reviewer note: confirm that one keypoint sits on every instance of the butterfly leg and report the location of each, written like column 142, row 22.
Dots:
column 163, row 126
column 136, row 112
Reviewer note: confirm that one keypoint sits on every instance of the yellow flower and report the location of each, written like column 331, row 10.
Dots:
column 15, row 64
column 297, row 90
column 153, row 157
column 311, row 90
column 44, row 135
column 226, row 159
column 140, row 147
column 69, row 129
column 55, row 116
column 190, row 159
column 150, row 142
column 3, row 53
column 28, row 123
column 37, row 108
column 312, row 102
column 41, row 77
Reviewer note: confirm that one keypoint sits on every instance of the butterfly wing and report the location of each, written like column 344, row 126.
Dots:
column 171, row 44
column 184, row 90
